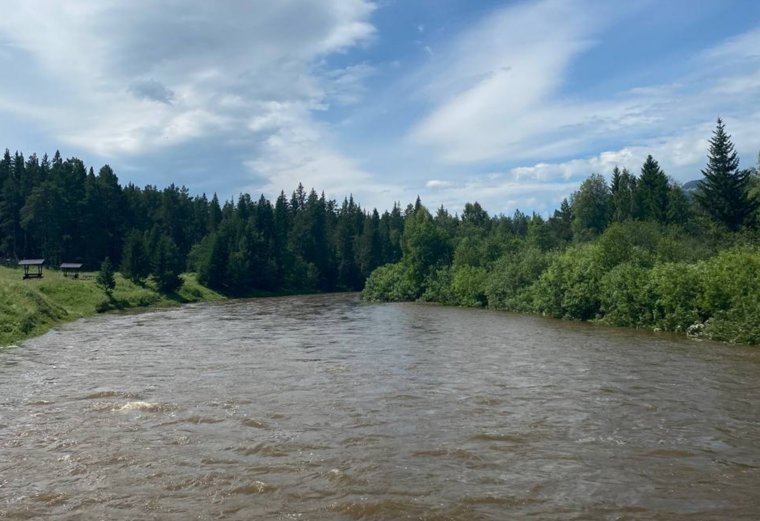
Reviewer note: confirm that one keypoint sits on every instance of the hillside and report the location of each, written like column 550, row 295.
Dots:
column 31, row 307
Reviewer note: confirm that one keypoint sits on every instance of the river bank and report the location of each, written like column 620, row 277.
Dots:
column 32, row 307
column 714, row 298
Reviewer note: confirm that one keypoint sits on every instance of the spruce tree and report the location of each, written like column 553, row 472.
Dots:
column 167, row 265
column 724, row 191
column 623, row 188
column 106, row 279
column 135, row 264
column 652, row 192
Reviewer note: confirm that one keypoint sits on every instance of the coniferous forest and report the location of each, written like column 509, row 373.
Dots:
column 58, row 210
column 638, row 250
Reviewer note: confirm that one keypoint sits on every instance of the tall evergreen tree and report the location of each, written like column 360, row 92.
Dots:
column 135, row 264
column 724, row 191
column 623, row 191
column 652, row 192
column 167, row 264
column 561, row 222
column 106, row 279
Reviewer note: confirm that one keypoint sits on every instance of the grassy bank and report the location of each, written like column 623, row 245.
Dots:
column 32, row 307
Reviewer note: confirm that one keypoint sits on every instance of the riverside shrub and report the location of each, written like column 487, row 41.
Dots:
column 392, row 282
column 626, row 296
column 508, row 283
column 569, row 288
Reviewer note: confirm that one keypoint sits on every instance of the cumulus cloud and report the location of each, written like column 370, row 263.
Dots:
column 136, row 77
column 274, row 91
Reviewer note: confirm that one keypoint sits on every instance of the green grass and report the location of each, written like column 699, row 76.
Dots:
column 31, row 307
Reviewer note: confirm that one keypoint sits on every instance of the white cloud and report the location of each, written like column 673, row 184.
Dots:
column 500, row 195
column 497, row 93
column 434, row 184
column 133, row 78
column 742, row 47
column 493, row 86
column 126, row 79
column 298, row 150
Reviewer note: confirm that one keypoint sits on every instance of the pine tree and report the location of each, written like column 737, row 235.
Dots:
column 724, row 191
column 135, row 264
column 106, row 279
column 167, row 265
column 623, row 191
column 652, row 192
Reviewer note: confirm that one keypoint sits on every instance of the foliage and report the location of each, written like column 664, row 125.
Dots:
column 570, row 286
column 438, row 287
column 509, row 281
column 166, row 264
column 134, row 263
column 637, row 251
column 625, row 298
column 591, row 207
column 425, row 245
column 106, row 279
column 724, row 191
column 58, row 209
column 652, row 192
column 468, row 286
column 391, row 283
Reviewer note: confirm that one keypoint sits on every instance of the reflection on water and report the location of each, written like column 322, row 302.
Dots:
column 322, row 407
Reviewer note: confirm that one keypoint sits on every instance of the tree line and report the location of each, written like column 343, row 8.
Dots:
column 59, row 210
column 639, row 250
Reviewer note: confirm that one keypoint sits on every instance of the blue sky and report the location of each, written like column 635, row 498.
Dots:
column 508, row 103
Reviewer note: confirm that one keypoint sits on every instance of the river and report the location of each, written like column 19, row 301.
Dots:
column 327, row 408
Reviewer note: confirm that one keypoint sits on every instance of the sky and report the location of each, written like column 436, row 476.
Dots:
column 508, row 103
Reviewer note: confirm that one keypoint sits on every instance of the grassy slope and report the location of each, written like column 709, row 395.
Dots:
column 31, row 307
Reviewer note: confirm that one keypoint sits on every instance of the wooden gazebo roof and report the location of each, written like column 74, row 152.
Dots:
column 31, row 262
column 71, row 265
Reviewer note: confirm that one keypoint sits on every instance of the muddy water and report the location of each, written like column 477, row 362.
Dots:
column 322, row 407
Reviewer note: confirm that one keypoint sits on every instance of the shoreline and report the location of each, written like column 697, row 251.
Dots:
column 30, row 308
column 38, row 306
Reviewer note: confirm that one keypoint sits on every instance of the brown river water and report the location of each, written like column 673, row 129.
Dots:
column 327, row 408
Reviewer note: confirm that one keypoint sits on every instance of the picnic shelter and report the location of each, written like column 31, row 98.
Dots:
column 71, row 269
column 32, row 268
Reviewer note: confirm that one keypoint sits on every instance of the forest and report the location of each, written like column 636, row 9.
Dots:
column 61, row 211
column 638, row 250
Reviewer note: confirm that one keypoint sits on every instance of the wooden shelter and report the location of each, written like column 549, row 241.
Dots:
column 29, row 264
column 71, row 268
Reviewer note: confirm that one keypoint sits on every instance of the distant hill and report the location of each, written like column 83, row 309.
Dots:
column 691, row 186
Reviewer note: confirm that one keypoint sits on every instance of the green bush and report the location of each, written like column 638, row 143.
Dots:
column 438, row 287
column 677, row 289
column 570, row 287
column 390, row 283
column 731, row 296
column 512, row 275
column 468, row 286
column 634, row 242
column 626, row 297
